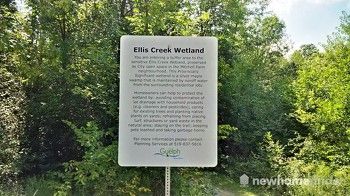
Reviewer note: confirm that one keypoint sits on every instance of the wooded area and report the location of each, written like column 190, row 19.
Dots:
column 59, row 85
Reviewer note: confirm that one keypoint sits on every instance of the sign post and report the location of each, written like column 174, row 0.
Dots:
column 168, row 102
column 167, row 181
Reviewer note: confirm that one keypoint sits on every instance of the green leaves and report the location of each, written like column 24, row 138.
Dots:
column 162, row 17
column 12, row 115
column 322, row 94
column 225, row 131
column 89, row 137
column 322, row 91
column 61, row 59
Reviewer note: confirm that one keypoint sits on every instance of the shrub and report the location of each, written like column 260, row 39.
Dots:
column 12, row 100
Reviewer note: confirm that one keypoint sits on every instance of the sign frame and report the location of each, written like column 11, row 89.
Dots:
column 203, row 51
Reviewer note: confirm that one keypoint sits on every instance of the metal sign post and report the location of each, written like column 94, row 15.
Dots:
column 167, row 181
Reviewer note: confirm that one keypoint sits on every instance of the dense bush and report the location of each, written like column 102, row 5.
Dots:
column 12, row 104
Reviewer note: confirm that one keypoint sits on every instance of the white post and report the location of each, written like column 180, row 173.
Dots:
column 167, row 181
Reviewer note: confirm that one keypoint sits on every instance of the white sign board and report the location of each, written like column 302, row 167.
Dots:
column 168, row 101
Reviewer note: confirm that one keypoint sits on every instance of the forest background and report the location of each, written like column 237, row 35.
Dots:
column 279, row 115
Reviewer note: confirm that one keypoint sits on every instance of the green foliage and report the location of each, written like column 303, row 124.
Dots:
column 59, row 73
column 12, row 102
column 274, row 152
column 322, row 93
column 268, row 161
column 70, row 74
column 164, row 17
column 225, row 131
column 98, row 171
column 230, row 186
column 89, row 137
column 191, row 182
column 321, row 178
column 251, row 79
column 308, row 50
column 38, row 185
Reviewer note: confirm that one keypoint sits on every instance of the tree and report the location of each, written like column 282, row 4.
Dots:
column 322, row 90
column 71, row 76
column 250, row 80
column 162, row 17
column 308, row 50
column 12, row 102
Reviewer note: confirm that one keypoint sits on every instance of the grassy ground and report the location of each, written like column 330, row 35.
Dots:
column 224, row 185
column 231, row 187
